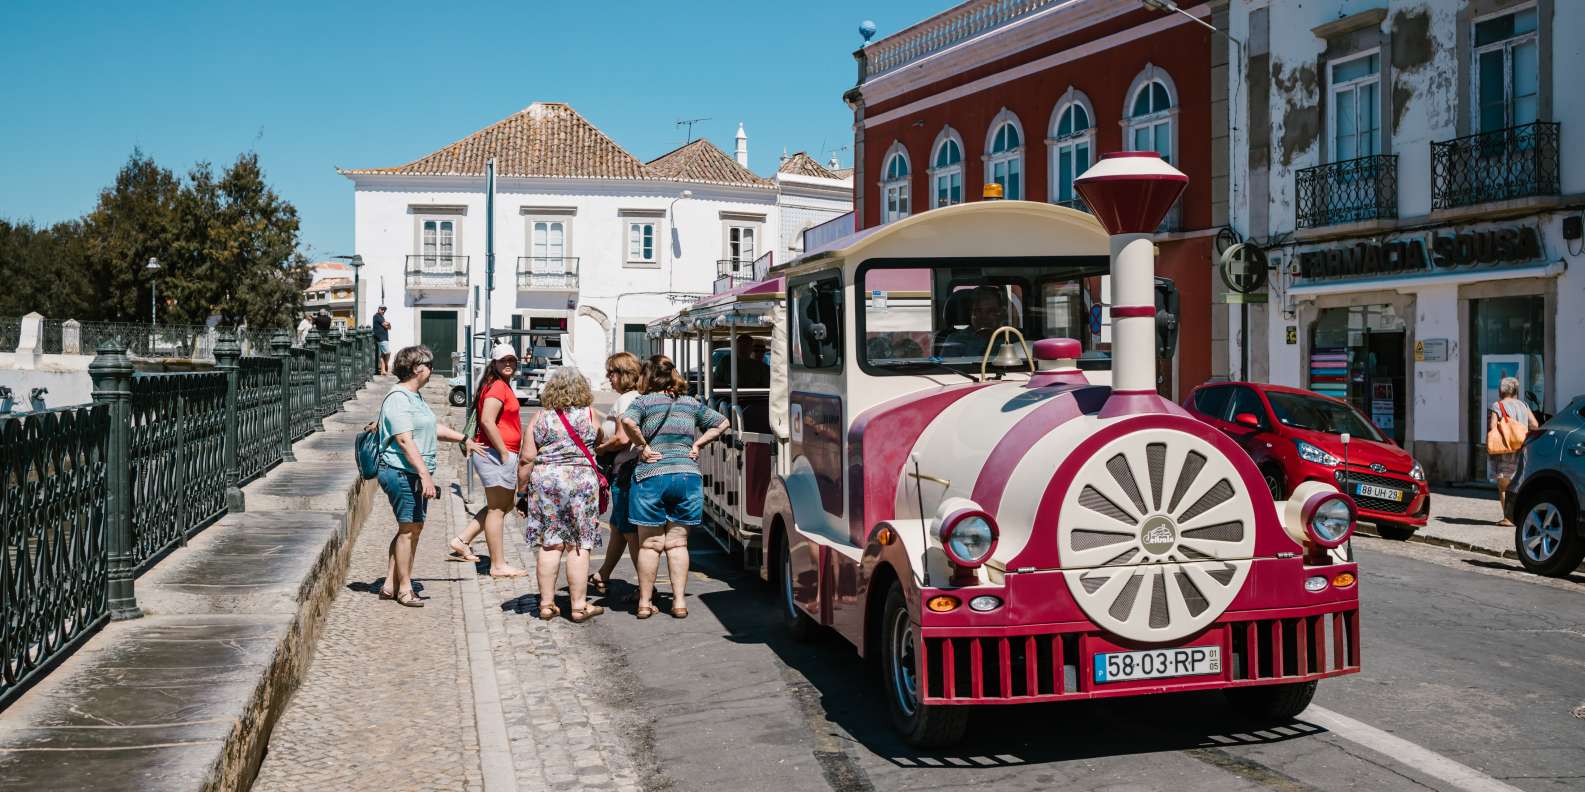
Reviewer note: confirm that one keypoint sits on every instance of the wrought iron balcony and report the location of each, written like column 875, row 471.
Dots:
column 552, row 273
column 1350, row 191
column 1517, row 162
column 944, row 30
column 437, row 272
column 741, row 270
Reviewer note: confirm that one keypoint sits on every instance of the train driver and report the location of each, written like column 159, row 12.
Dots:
column 987, row 312
column 752, row 371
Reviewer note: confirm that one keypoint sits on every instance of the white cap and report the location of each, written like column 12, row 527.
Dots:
column 502, row 350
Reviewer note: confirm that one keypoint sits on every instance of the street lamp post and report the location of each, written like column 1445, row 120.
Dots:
column 152, row 267
column 355, row 261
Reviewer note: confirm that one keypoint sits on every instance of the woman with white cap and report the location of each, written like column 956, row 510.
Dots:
column 501, row 434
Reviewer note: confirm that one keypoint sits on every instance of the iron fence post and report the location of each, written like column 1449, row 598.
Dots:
column 281, row 349
column 327, row 388
column 111, row 372
column 311, row 344
column 227, row 354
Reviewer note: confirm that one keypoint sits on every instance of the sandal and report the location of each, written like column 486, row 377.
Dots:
column 548, row 612
column 645, row 611
column 386, row 595
column 586, row 613
column 679, row 613
column 409, row 600
column 464, row 554
column 596, row 584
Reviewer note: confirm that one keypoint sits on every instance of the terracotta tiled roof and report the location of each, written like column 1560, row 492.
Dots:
column 701, row 161
column 544, row 139
column 804, row 165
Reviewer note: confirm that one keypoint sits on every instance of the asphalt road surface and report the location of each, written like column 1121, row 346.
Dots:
column 1474, row 678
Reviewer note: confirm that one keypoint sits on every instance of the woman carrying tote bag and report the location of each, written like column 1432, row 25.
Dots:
column 1508, row 420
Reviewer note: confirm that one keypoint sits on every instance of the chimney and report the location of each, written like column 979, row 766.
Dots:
column 742, row 145
column 1130, row 192
column 836, row 162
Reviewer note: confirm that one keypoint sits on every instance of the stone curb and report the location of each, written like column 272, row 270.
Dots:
column 1366, row 529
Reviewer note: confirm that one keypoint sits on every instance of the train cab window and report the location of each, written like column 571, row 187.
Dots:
column 817, row 323
column 943, row 313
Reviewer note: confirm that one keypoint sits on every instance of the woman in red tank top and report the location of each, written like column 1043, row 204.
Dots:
column 501, row 434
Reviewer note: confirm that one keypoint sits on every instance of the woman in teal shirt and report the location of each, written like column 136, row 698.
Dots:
column 409, row 435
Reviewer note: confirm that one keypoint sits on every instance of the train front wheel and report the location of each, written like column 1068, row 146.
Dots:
column 921, row 725
column 798, row 623
column 1272, row 702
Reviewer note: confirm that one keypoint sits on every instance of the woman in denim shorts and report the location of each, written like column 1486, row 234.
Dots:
column 667, row 497
column 624, row 372
column 408, row 440
column 501, row 435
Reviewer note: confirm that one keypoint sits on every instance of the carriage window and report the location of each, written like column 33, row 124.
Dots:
column 817, row 325
column 922, row 317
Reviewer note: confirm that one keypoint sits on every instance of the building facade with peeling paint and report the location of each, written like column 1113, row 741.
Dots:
column 1412, row 171
column 1026, row 96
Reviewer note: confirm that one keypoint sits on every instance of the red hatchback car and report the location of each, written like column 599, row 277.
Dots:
column 1294, row 436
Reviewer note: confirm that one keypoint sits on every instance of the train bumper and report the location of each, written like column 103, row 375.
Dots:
column 1004, row 657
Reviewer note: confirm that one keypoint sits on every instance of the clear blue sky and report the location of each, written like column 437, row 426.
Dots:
column 316, row 85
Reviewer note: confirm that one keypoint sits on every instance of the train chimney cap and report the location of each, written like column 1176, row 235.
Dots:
column 1130, row 192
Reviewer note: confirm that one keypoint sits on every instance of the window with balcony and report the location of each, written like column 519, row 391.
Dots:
column 1356, row 104
column 436, row 262
column 1004, row 161
column 641, row 243
column 1150, row 119
column 437, row 245
column 946, row 172
column 1507, row 73
column 895, row 186
column 547, row 265
column 1072, row 141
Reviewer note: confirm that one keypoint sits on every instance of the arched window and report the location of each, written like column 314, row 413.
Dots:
column 1152, row 107
column 946, row 170
column 895, row 185
column 1072, row 146
column 1004, row 158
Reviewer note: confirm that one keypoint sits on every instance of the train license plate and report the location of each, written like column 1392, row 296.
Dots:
column 1384, row 493
column 1154, row 663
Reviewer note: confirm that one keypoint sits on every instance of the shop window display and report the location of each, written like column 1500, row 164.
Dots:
column 1359, row 354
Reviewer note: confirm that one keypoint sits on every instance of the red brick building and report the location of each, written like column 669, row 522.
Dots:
column 1026, row 94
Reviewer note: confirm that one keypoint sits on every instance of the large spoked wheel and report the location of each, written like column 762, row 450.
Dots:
column 1548, row 537
column 922, row 725
column 1272, row 702
column 1274, row 483
column 798, row 623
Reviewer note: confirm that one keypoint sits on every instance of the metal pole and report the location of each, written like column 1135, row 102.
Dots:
column 489, row 242
column 112, row 377
column 467, row 387
column 154, row 301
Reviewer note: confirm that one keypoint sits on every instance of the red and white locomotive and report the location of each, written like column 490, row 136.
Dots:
column 931, row 474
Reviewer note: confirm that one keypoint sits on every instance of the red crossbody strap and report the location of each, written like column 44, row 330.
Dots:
column 581, row 446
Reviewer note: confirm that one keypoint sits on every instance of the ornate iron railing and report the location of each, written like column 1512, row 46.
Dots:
column 175, row 453
column 10, row 334
column 51, row 337
column 541, row 272
column 303, row 405
column 1517, row 162
column 944, row 30
column 258, row 416
column 145, row 340
column 347, row 360
column 437, row 272
column 1350, row 191
column 53, row 566
column 328, row 395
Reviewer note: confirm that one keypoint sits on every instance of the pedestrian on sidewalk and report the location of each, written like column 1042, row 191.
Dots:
column 1502, row 467
column 667, row 496
column 409, row 435
column 382, row 340
column 562, row 512
column 500, row 434
column 624, row 372
column 303, row 326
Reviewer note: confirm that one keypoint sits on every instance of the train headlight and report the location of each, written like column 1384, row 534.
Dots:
column 969, row 537
column 1329, row 519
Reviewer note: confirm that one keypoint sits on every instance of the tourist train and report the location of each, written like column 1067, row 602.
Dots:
column 945, row 471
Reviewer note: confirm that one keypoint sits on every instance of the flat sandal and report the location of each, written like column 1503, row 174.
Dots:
column 548, row 612
column 586, row 613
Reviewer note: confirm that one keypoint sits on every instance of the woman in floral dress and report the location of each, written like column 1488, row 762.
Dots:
column 563, row 490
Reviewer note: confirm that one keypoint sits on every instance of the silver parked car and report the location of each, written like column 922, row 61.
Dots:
column 1545, row 499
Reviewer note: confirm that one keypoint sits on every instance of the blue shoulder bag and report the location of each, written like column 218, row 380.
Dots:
column 367, row 445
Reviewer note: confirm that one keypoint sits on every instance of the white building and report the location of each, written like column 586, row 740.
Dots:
column 1402, row 163
column 811, row 194
column 587, row 237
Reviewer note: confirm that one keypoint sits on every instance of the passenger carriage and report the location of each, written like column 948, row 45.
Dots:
column 989, row 521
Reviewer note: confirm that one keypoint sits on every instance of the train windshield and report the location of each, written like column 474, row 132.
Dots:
column 922, row 315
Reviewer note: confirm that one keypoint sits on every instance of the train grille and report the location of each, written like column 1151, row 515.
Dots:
column 1052, row 666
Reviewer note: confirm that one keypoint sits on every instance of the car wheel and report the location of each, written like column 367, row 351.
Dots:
column 1274, row 483
column 798, row 623
column 458, row 397
column 921, row 725
column 1547, row 536
column 1397, row 532
column 1271, row 702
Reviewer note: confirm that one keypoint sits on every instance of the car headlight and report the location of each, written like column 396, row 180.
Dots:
column 969, row 537
column 1310, row 453
column 1329, row 519
column 1417, row 473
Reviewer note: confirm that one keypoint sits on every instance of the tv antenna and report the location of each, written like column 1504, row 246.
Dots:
column 689, row 122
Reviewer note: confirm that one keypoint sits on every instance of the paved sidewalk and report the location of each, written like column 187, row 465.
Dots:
column 1465, row 519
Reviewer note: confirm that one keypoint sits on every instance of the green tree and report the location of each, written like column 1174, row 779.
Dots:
column 45, row 270
column 134, row 221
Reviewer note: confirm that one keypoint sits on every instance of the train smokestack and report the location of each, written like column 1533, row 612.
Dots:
column 1130, row 192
